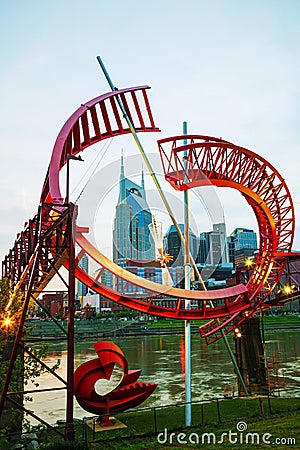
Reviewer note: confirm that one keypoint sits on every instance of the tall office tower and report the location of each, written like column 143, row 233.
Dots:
column 131, row 236
column 82, row 289
column 244, row 238
column 213, row 247
column 214, row 256
column 245, row 244
column 203, row 248
column 220, row 228
column 175, row 248
column 107, row 278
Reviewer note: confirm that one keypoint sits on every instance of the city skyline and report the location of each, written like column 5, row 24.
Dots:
column 208, row 248
column 134, row 250
column 132, row 207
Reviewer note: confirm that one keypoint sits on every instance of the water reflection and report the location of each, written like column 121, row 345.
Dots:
column 161, row 359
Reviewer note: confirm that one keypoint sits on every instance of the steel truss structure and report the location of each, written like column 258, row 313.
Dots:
column 40, row 250
column 212, row 161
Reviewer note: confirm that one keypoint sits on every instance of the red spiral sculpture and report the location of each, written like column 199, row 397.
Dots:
column 129, row 392
column 209, row 159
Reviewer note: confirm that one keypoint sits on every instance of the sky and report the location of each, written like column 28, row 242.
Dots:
column 229, row 68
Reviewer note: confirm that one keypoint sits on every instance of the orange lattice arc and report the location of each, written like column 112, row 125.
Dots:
column 223, row 164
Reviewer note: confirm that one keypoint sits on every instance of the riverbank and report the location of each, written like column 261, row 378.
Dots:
column 161, row 358
column 84, row 329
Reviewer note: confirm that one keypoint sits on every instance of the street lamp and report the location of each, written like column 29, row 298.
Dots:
column 287, row 289
column 249, row 262
column 238, row 333
column 7, row 322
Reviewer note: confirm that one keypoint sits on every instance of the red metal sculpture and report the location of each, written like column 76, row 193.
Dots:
column 46, row 243
column 129, row 392
column 209, row 159
column 214, row 161
column 82, row 130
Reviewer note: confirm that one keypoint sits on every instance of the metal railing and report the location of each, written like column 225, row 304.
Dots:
column 150, row 421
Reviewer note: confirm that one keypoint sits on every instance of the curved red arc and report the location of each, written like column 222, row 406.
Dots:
column 224, row 164
column 105, row 262
column 237, row 303
column 75, row 136
column 45, row 243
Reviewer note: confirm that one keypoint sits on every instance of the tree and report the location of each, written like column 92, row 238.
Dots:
column 26, row 368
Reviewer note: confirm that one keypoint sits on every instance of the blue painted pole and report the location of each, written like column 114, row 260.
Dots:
column 187, row 285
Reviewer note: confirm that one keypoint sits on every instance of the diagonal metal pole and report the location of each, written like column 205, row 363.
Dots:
column 168, row 208
column 149, row 166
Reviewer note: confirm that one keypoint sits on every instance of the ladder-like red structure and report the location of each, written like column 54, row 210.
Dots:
column 196, row 160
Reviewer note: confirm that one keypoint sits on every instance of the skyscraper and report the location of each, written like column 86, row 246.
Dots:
column 175, row 247
column 203, row 248
column 244, row 238
column 131, row 236
column 220, row 230
column 231, row 251
column 82, row 289
column 213, row 246
column 245, row 245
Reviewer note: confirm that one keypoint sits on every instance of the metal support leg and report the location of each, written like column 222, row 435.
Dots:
column 69, row 430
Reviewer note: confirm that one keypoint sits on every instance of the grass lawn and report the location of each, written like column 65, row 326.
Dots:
column 282, row 422
column 212, row 427
column 280, row 428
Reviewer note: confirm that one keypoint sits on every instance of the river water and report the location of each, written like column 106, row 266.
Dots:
column 161, row 359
